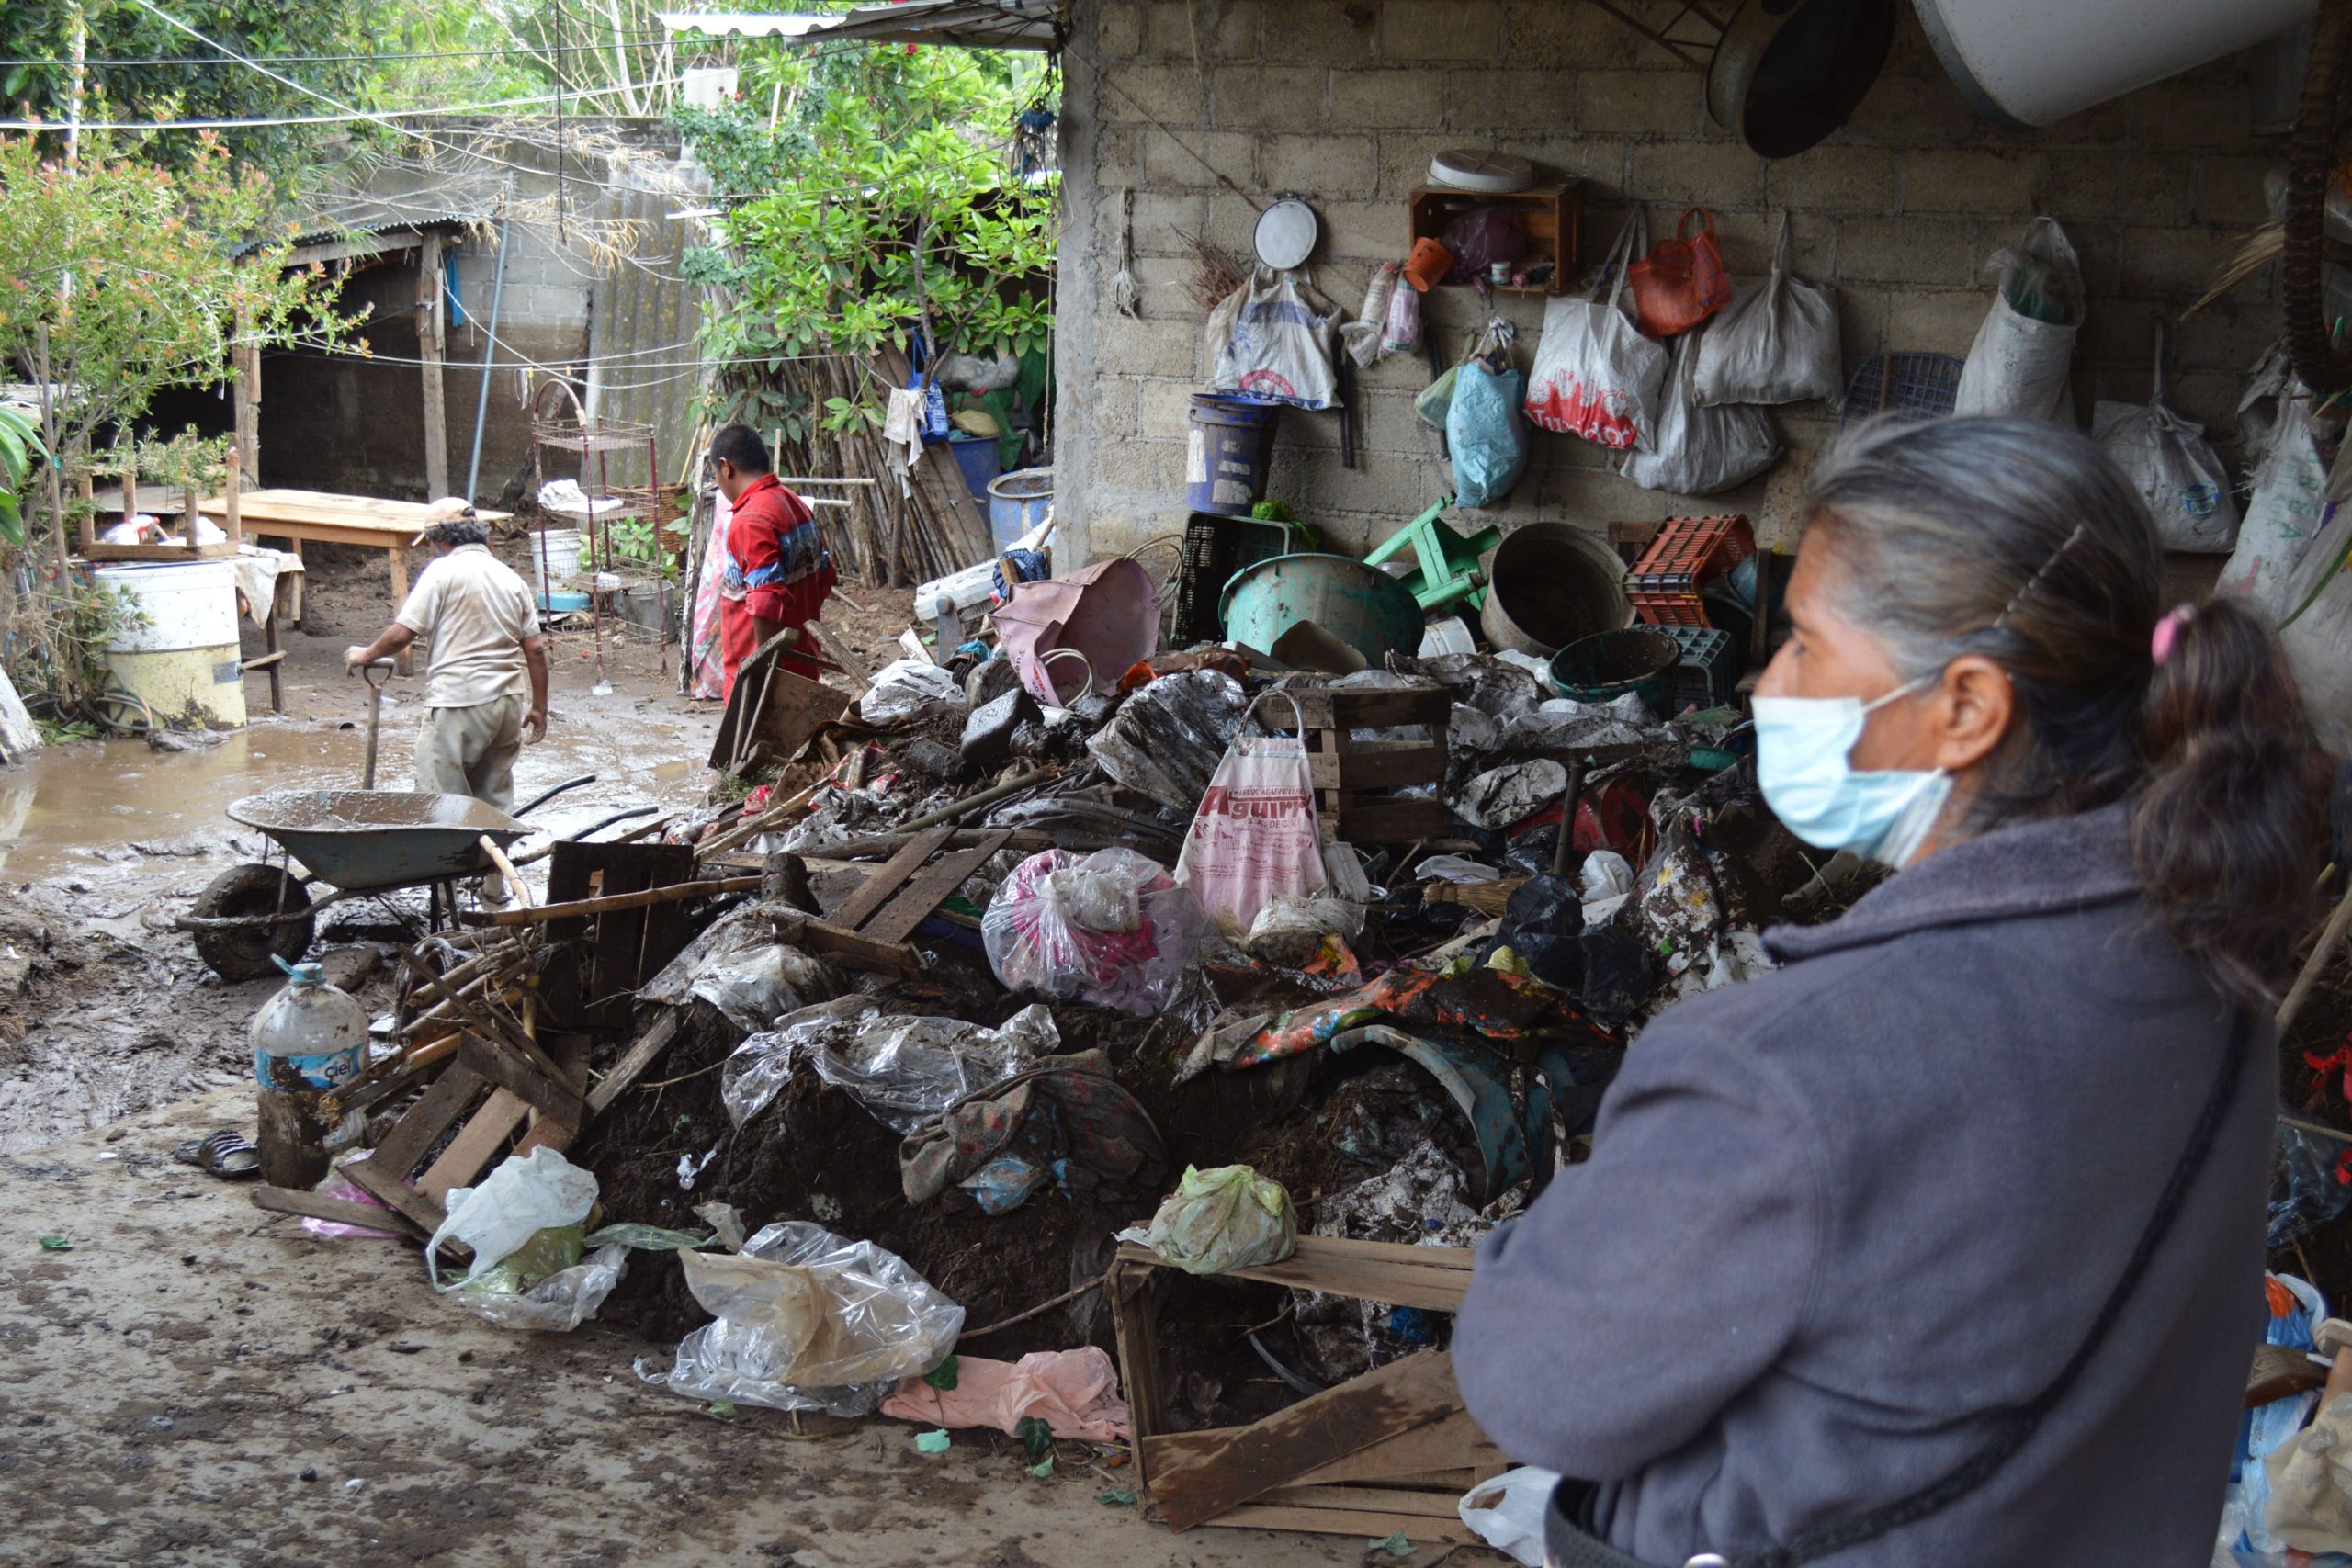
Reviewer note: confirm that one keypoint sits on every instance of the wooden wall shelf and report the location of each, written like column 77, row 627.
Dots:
column 1554, row 215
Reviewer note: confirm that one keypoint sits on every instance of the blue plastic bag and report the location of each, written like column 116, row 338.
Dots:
column 1487, row 433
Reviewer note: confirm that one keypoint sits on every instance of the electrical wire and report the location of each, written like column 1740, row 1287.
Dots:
column 635, row 41
column 376, row 115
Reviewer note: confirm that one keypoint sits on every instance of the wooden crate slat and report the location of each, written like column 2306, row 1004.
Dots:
column 1342, row 1521
column 895, row 871
column 924, row 892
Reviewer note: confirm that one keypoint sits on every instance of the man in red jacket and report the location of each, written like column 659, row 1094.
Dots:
column 777, row 572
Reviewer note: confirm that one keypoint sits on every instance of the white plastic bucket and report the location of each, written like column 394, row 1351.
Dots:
column 555, row 558
column 180, row 658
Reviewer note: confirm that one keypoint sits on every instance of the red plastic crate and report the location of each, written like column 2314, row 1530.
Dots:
column 1687, row 554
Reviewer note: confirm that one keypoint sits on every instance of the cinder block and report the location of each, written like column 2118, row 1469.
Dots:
column 1152, row 466
column 1405, row 157
column 1164, row 409
column 1904, row 112
column 1109, row 408
column 1637, row 103
column 1945, row 251
column 1504, row 102
column 1388, row 424
column 2229, row 190
column 2223, row 337
column 1377, row 100
column 2175, row 265
column 1861, row 325
column 2211, row 399
column 1327, row 32
column 1936, row 322
column 1162, row 220
column 2145, row 187
column 2001, row 184
column 1146, row 348
column 1594, row 498
column 2121, row 333
column 1233, row 224
column 1214, row 29
column 1835, row 180
column 1319, row 166
column 1118, row 33
column 1747, row 237
column 1198, row 157
column 1174, row 94
column 1577, row 35
column 2211, row 107
column 1440, row 30
column 1695, row 172
column 1364, row 230
column 1271, row 97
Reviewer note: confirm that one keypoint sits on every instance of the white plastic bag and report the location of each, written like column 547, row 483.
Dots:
column 2282, row 515
column 2318, row 641
column 904, row 687
column 1291, row 931
column 1274, row 337
column 1508, row 1512
column 1227, row 1218
column 2018, row 362
column 2173, row 467
column 1596, row 375
column 1253, row 839
column 1110, row 927
column 807, row 1320
column 1699, row 451
column 527, row 1194
column 1366, row 336
column 1773, row 344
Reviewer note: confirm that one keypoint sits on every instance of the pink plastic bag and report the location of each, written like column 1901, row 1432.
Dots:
column 1253, row 839
column 1075, row 1393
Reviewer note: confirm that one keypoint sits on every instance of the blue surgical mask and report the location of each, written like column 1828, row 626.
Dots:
column 1803, row 745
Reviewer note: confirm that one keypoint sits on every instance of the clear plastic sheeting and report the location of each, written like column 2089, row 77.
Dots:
column 807, row 1320
column 558, row 1304
column 904, row 688
column 739, row 967
column 1110, row 928
column 905, row 1071
column 1167, row 740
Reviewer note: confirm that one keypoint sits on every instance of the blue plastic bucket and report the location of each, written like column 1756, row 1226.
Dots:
column 1017, row 504
column 976, row 456
column 1229, row 453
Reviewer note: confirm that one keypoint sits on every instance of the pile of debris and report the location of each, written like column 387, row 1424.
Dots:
column 891, row 1053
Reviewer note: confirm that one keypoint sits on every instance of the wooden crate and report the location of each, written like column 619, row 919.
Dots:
column 1355, row 780
column 1393, row 1450
column 1554, row 216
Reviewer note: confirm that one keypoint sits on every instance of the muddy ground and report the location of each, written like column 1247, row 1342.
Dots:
column 105, row 1008
column 195, row 1383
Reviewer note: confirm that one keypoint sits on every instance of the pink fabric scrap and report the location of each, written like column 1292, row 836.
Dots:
column 1075, row 1393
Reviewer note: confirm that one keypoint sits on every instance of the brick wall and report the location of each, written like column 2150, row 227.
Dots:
column 1343, row 102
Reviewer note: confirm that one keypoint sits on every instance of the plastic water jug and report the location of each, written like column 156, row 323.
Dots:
column 308, row 1040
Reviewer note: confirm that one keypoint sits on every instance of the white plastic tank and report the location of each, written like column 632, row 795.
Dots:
column 176, row 646
column 2028, row 63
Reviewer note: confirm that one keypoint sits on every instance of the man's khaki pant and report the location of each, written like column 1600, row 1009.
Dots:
column 472, row 751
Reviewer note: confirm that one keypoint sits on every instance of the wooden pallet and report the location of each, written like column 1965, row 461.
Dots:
column 624, row 948
column 911, row 884
column 489, row 1096
column 1355, row 780
column 1391, row 1450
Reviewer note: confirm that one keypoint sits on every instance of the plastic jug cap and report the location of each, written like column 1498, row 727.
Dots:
column 302, row 973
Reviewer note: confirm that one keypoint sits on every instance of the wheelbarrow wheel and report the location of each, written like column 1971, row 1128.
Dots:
column 242, row 892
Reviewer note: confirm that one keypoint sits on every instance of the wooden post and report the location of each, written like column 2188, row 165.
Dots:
column 56, row 463
column 429, row 344
column 244, row 396
column 232, row 502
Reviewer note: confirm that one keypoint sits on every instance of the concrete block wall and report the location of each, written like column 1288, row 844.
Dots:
column 1207, row 109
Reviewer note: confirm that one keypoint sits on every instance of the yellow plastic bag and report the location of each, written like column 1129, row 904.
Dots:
column 1227, row 1218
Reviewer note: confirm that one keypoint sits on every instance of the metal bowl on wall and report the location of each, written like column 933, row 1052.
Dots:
column 1787, row 72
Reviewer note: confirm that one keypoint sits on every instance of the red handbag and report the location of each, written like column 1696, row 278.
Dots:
column 1682, row 281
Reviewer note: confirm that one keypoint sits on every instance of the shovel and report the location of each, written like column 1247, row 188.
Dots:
column 375, row 713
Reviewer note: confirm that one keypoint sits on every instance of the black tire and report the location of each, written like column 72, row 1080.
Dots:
column 244, row 953
column 2313, row 151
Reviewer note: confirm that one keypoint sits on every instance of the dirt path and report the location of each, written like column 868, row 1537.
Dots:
column 168, row 1384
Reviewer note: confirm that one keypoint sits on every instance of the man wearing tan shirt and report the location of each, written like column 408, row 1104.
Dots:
column 486, row 678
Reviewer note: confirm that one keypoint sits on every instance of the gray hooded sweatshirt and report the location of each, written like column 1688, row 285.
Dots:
column 1837, row 1217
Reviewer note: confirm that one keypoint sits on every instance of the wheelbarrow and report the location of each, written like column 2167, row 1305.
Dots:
column 354, row 842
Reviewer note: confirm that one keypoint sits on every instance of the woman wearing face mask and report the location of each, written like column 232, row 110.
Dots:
column 1943, row 1244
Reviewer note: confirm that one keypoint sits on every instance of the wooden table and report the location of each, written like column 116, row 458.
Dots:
column 301, row 515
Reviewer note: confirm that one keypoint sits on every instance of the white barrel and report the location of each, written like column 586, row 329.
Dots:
column 555, row 559
column 175, row 649
column 184, row 603
column 2027, row 63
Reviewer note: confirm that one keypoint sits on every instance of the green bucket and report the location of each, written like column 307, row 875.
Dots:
column 1361, row 605
column 1604, row 667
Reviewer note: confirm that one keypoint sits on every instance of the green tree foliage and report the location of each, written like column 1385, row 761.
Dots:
column 867, row 190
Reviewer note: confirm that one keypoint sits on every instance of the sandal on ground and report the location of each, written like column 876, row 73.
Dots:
column 225, row 1154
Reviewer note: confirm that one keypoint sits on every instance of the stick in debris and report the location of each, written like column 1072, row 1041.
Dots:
column 673, row 894
column 2323, row 951
column 1070, row 1296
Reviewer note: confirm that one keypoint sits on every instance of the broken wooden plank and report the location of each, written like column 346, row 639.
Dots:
column 1395, row 1275
column 342, row 1211
column 1343, row 1521
column 1392, row 1500
column 1453, row 1444
column 477, row 1144
column 422, row 1125
column 1192, row 1489
column 895, row 871
column 632, row 1065
column 927, row 891
column 824, row 937
column 526, row 1082
column 545, row 912
column 1378, row 764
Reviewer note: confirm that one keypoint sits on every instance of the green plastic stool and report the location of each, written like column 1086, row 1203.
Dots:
column 1448, row 563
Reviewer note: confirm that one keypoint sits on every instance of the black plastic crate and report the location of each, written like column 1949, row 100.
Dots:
column 1709, row 669
column 1217, row 546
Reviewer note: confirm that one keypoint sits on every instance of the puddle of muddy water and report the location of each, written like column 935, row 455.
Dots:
column 69, row 810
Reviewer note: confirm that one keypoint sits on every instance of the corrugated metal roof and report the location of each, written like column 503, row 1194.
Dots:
column 743, row 24
column 969, row 24
column 337, row 218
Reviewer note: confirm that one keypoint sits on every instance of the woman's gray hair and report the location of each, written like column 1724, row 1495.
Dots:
column 2021, row 542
